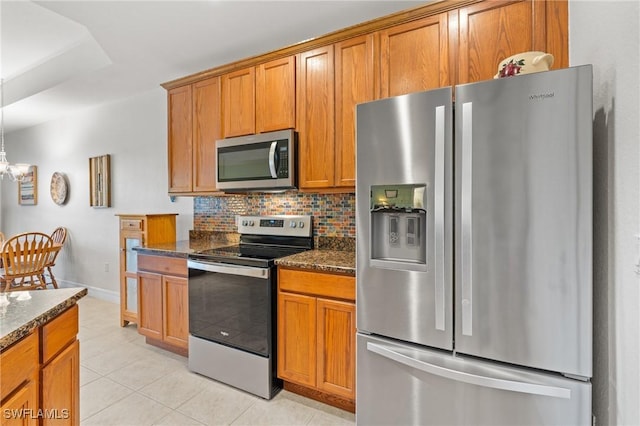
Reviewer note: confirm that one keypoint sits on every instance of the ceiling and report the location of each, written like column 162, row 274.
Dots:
column 57, row 57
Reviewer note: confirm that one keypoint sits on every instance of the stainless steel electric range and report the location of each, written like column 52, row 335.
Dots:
column 232, row 302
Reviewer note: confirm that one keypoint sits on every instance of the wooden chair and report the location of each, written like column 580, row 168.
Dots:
column 59, row 236
column 24, row 257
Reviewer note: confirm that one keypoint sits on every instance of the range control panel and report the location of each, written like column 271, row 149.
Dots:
column 285, row 225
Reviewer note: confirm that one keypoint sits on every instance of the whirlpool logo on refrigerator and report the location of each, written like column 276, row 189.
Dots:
column 541, row 96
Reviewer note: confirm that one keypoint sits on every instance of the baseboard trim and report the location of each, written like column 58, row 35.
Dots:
column 334, row 400
column 98, row 293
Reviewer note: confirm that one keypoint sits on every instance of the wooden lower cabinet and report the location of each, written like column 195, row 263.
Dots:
column 316, row 335
column 40, row 375
column 336, row 334
column 61, row 387
column 163, row 307
column 175, row 297
column 22, row 407
column 297, row 338
column 150, row 305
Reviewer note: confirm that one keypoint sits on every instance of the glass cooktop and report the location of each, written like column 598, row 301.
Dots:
column 247, row 254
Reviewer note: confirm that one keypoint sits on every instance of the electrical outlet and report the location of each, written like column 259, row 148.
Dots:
column 106, row 267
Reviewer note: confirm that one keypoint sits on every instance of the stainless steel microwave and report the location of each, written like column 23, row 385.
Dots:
column 262, row 162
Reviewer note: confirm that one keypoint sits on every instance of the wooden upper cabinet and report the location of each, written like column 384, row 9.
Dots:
column 316, row 134
column 239, row 102
column 354, row 80
column 276, row 95
column 415, row 56
column 207, row 127
column 194, row 125
column 491, row 31
column 180, row 139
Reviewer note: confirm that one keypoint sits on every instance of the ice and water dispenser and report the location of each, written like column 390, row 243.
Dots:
column 399, row 227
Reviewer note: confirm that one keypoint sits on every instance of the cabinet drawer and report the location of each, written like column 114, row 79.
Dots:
column 134, row 224
column 317, row 283
column 57, row 334
column 163, row 265
column 18, row 363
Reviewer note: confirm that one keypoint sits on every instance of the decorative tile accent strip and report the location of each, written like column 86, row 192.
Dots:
column 333, row 214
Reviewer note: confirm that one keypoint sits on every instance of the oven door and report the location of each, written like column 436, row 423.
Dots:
column 232, row 305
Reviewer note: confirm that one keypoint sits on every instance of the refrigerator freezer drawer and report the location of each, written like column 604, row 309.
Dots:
column 403, row 384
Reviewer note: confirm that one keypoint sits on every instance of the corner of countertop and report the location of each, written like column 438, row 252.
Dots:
column 44, row 305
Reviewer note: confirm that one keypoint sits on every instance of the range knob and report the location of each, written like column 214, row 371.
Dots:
column 250, row 223
column 245, row 223
column 301, row 224
column 292, row 224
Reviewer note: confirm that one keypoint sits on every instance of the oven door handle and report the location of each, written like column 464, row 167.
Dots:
column 221, row 268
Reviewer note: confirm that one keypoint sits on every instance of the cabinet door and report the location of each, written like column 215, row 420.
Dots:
column 297, row 338
column 22, row 408
column 239, row 102
column 276, row 95
column 207, row 127
column 491, row 31
column 150, row 305
column 315, row 84
column 61, row 387
column 415, row 56
column 354, row 84
column 128, row 276
column 180, row 143
column 336, row 347
column 175, row 311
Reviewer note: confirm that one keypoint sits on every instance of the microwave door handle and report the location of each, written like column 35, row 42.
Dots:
column 272, row 159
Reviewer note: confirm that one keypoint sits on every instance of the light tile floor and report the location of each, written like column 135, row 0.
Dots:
column 124, row 381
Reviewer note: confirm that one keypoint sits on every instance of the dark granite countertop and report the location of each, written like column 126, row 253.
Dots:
column 23, row 311
column 181, row 248
column 322, row 260
column 333, row 255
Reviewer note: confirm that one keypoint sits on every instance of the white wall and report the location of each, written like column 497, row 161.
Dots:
column 134, row 133
column 606, row 34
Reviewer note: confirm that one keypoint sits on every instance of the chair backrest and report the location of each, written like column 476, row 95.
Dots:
column 26, row 254
column 2, row 238
column 58, row 236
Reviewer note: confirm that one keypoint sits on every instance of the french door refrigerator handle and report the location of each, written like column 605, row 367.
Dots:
column 466, row 220
column 439, row 217
column 473, row 379
column 272, row 159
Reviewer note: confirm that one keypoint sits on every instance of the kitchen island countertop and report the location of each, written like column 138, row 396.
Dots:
column 23, row 311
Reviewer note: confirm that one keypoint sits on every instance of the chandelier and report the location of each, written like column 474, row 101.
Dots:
column 19, row 170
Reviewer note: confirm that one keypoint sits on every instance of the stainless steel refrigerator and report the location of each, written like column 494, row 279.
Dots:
column 474, row 254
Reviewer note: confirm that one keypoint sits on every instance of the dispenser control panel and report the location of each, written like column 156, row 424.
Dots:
column 399, row 226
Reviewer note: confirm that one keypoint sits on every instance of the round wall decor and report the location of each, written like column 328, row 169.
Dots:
column 59, row 188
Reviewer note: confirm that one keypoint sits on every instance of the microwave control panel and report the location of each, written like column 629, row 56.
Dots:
column 283, row 159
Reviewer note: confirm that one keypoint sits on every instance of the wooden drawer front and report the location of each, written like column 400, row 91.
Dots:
column 57, row 334
column 165, row 265
column 317, row 283
column 134, row 224
column 18, row 363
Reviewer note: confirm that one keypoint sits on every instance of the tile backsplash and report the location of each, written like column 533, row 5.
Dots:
column 333, row 214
